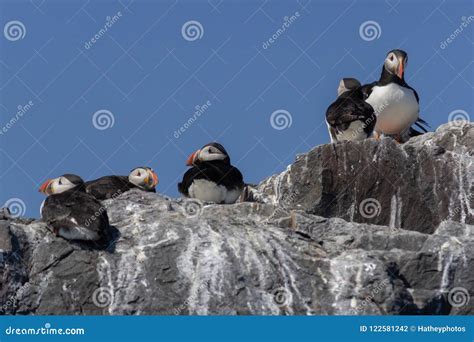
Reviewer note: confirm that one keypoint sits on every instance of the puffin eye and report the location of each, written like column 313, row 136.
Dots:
column 60, row 182
column 138, row 173
column 391, row 58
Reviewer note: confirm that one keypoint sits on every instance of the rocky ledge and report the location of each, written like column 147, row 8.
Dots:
column 367, row 227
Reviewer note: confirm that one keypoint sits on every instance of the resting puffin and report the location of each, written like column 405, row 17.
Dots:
column 396, row 104
column 143, row 178
column 212, row 178
column 71, row 212
column 350, row 117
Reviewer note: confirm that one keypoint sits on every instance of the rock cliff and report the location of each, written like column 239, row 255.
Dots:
column 369, row 227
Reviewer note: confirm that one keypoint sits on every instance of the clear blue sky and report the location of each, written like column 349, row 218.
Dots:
column 151, row 79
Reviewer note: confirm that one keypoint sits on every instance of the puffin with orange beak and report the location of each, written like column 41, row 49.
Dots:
column 72, row 213
column 395, row 103
column 143, row 178
column 211, row 177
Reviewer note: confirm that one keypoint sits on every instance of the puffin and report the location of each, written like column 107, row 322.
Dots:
column 71, row 212
column 350, row 117
column 395, row 103
column 143, row 178
column 211, row 177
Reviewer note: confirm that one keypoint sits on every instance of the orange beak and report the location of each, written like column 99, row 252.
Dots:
column 400, row 69
column 190, row 161
column 155, row 178
column 44, row 187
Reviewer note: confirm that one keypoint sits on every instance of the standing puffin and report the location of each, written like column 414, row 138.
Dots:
column 350, row 117
column 106, row 187
column 212, row 178
column 70, row 211
column 396, row 104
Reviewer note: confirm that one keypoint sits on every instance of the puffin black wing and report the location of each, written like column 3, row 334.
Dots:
column 348, row 107
column 108, row 187
column 76, row 214
column 217, row 172
column 366, row 89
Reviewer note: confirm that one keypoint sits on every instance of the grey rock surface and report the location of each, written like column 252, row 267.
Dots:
column 415, row 185
column 303, row 248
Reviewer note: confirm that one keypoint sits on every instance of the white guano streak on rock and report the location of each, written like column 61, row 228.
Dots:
column 105, row 278
column 130, row 273
column 204, row 277
column 395, row 210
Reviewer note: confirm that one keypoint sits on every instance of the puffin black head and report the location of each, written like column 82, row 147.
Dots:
column 395, row 63
column 347, row 84
column 144, row 177
column 61, row 184
column 209, row 152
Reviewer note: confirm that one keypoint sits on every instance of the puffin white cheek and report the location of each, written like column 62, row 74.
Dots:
column 203, row 156
column 137, row 180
